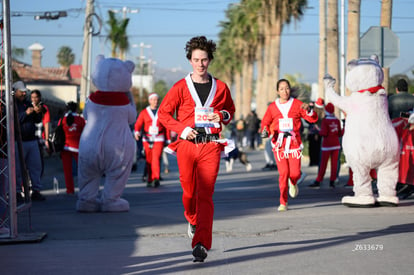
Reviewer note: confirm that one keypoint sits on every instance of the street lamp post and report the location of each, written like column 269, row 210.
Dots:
column 142, row 46
column 125, row 10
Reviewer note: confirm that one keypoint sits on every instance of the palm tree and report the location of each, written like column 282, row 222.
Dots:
column 332, row 43
column 254, row 31
column 65, row 56
column 322, row 48
column 18, row 52
column 277, row 13
column 386, row 15
column 238, row 39
column 245, row 35
column 225, row 66
column 123, row 38
column 117, row 35
column 223, row 63
column 354, row 9
column 261, row 102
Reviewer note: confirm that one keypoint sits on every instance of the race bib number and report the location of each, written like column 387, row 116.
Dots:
column 201, row 116
column 286, row 124
column 153, row 130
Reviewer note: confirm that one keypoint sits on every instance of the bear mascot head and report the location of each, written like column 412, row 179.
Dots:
column 107, row 146
column 369, row 141
column 112, row 74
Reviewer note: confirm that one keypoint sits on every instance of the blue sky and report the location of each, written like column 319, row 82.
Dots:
column 166, row 25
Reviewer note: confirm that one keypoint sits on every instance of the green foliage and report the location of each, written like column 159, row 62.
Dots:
column 160, row 87
column 117, row 34
column 15, row 76
column 18, row 52
column 300, row 90
column 65, row 56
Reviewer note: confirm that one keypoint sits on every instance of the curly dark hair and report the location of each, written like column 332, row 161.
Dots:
column 201, row 43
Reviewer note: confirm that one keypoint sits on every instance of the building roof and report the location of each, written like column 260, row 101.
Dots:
column 75, row 72
column 27, row 73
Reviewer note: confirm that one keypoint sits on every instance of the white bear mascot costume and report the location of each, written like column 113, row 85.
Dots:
column 107, row 146
column 369, row 141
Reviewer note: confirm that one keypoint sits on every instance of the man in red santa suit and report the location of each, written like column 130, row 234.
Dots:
column 153, row 138
column 330, row 132
column 194, row 108
column 283, row 116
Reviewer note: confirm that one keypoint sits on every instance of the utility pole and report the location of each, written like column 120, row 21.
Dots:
column 141, row 64
column 86, row 54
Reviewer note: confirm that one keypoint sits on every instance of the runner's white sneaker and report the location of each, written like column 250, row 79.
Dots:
column 282, row 208
column 293, row 190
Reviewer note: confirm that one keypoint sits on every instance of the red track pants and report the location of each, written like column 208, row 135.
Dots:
column 198, row 165
column 333, row 154
column 153, row 158
column 289, row 168
column 67, row 157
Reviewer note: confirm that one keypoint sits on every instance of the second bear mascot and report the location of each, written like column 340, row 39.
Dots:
column 106, row 145
column 369, row 141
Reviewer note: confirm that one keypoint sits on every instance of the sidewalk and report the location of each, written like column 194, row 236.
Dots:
column 317, row 235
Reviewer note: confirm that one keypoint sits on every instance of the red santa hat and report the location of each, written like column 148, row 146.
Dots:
column 151, row 95
column 319, row 103
column 330, row 108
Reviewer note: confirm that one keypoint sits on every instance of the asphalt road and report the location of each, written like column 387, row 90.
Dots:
column 317, row 235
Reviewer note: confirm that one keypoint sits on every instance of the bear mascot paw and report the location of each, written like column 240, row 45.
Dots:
column 106, row 147
column 370, row 140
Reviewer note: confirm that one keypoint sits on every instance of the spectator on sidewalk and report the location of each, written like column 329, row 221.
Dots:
column 73, row 125
column 405, row 132
column 401, row 101
column 314, row 139
column 28, row 116
column 43, row 128
column 269, row 156
column 240, row 132
column 330, row 132
column 252, row 128
column 268, row 152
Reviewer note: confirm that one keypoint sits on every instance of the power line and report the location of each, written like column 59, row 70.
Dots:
column 167, row 34
column 168, row 3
